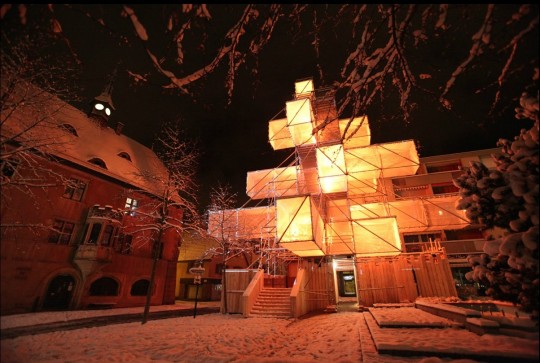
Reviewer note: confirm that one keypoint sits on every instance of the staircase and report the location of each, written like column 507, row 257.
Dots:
column 273, row 302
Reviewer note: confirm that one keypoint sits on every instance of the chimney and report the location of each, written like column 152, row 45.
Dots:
column 119, row 127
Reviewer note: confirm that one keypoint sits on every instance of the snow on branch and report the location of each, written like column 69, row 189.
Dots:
column 480, row 39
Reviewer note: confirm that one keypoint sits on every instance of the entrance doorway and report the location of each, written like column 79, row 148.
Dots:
column 346, row 284
column 59, row 293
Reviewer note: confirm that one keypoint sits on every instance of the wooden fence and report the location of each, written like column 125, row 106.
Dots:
column 403, row 278
column 236, row 282
column 250, row 295
column 378, row 280
column 314, row 288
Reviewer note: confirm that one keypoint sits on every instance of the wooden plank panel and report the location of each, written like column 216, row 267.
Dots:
column 236, row 282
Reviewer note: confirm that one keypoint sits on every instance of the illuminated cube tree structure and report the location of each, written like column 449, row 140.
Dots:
column 336, row 198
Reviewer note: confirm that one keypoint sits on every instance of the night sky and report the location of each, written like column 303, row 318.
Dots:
column 233, row 137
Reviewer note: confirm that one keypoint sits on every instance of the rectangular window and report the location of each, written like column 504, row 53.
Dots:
column 443, row 166
column 107, row 235
column 116, row 235
column 421, row 237
column 74, row 189
column 131, row 206
column 62, row 232
column 444, row 188
column 219, row 268
column 94, row 234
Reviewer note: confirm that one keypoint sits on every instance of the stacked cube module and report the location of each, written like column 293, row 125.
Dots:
column 336, row 197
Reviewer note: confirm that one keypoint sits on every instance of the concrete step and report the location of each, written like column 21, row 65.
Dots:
column 273, row 298
column 272, row 302
column 274, row 293
column 272, row 314
column 271, row 311
column 271, row 308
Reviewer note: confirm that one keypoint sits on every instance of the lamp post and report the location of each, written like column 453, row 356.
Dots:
column 197, row 271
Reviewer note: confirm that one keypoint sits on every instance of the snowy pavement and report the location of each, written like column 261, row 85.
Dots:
column 30, row 319
column 339, row 338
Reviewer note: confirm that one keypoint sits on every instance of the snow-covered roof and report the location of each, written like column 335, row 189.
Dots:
column 51, row 125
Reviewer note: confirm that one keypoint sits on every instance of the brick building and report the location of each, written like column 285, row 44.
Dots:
column 75, row 191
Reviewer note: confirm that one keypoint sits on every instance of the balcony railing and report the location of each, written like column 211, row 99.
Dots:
column 455, row 247
column 94, row 253
column 424, row 179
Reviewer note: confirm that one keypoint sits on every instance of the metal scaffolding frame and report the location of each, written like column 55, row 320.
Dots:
column 320, row 140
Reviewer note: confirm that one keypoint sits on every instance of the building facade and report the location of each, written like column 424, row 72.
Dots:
column 380, row 219
column 197, row 251
column 77, row 199
column 434, row 179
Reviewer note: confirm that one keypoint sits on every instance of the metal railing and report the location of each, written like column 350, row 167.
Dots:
column 453, row 247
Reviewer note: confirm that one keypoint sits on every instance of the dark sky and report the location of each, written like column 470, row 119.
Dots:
column 233, row 137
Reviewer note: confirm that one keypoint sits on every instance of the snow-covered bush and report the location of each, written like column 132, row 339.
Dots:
column 507, row 199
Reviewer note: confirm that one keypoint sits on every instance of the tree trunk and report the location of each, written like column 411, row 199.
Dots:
column 152, row 277
column 224, row 281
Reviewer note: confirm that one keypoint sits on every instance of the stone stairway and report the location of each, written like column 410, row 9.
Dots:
column 273, row 302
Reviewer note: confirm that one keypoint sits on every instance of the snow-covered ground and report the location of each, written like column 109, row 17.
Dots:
column 337, row 337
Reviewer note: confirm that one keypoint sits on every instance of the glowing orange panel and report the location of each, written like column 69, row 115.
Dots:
column 302, row 134
column 398, row 158
column 279, row 135
column 255, row 223
column 376, row 237
column 358, row 186
column 299, row 112
column 303, row 88
column 271, row 183
column 337, row 210
column 356, row 132
column 331, row 169
column 294, row 219
column 339, row 238
column 299, row 226
column 368, row 210
column 363, row 162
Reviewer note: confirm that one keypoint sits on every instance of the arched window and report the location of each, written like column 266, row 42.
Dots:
column 140, row 288
column 69, row 128
column 98, row 162
column 125, row 155
column 104, row 286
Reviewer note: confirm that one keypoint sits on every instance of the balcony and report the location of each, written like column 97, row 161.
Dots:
column 457, row 249
column 426, row 184
column 94, row 253
column 105, row 212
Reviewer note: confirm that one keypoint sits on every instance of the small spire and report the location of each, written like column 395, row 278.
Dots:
column 102, row 106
